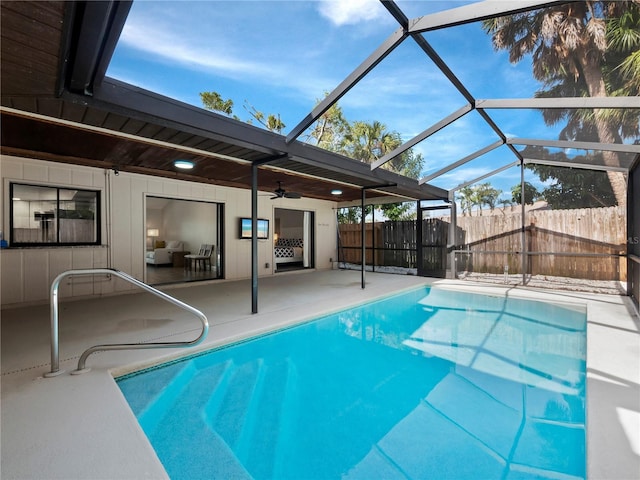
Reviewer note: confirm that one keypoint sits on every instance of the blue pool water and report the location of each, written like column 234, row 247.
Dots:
column 427, row 384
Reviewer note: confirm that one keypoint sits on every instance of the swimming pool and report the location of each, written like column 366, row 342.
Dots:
column 428, row 384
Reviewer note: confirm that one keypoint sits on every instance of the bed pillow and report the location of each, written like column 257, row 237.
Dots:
column 160, row 244
column 174, row 244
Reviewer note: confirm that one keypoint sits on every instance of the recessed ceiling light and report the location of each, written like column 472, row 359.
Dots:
column 336, row 192
column 183, row 164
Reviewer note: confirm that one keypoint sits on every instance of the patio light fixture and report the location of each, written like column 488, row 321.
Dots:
column 336, row 192
column 183, row 164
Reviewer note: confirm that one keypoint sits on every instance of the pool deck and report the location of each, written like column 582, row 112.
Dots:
column 80, row 426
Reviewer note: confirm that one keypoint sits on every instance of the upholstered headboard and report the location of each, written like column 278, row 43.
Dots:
column 289, row 242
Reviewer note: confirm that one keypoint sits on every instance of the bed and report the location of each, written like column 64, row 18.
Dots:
column 288, row 250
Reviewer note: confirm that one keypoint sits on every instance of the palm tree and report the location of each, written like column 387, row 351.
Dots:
column 485, row 194
column 467, row 200
column 505, row 202
column 368, row 142
column 328, row 132
column 581, row 48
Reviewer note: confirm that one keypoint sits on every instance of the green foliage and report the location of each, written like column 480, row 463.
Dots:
column 329, row 130
column 270, row 122
column 478, row 196
column 571, row 187
column 389, row 211
column 214, row 101
column 398, row 211
column 352, row 214
column 362, row 141
column 587, row 48
column 531, row 194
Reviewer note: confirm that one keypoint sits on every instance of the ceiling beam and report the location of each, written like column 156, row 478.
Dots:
column 436, row 127
column 462, row 161
column 568, row 164
column 560, row 102
column 611, row 147
column 318, row 157
column 93, row 35
column 475, row 12
column 395, row 39
column 486, row 175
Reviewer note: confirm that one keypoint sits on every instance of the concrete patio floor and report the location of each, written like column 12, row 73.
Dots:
column 80, row 426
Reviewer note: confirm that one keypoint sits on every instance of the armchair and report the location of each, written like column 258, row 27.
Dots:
column 162, row 256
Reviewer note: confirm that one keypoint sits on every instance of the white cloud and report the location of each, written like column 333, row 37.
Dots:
column 178, row 49
column 351, row 12
column 152, row 40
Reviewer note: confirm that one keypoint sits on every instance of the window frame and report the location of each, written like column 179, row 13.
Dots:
column 57, row 188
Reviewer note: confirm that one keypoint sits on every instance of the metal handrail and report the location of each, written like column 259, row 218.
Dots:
column 55, row 356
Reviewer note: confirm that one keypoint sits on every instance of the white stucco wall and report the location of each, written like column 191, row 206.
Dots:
column 27, row 273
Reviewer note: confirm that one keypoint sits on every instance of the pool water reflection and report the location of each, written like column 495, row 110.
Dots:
column 431, row 383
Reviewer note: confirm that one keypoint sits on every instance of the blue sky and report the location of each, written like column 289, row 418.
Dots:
column 282, row 56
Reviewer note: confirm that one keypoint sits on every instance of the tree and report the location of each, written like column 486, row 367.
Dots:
column 477, row 196
column 271, row 122
column 368, row 142
column 570, row 187
column 531, row 194
column 505, row 202
column 581, row 48
column 467, row 199
column 214, row 101
column 487, row 195
column 399, row 211
column 574, row 188
column 329, row 130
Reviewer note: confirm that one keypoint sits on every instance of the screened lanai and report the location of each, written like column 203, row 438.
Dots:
column 453, row 84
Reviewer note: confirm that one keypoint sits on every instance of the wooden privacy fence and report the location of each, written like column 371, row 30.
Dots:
column 582, row 240
column 392, row 244
column 585, row 242
column 351, row 243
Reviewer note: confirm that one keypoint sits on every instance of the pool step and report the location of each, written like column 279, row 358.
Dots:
column 157, row 410
column 254, row 393
column 190, row 443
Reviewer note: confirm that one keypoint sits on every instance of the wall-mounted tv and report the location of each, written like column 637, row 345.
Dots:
column 245, row 228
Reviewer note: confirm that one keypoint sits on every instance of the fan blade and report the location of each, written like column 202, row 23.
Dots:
column 292, row 195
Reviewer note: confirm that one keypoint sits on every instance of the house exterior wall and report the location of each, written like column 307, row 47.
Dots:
column 27, row 273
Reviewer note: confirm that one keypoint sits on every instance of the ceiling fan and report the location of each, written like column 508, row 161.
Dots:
column 282, row 193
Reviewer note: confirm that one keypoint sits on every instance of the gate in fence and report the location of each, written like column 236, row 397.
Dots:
column 433, row 234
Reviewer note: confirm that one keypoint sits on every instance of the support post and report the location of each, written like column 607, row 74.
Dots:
column 373, row 239
column 254, row 238
column 453, row 271
column 364, row 237
column 523, row 232
column 419, row 263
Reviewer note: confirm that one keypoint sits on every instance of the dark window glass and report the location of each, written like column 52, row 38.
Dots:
column 54, row 216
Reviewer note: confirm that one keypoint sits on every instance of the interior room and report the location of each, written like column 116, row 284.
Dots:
column 183, row 240
column 293, row 240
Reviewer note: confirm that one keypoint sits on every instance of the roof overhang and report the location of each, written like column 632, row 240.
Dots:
column 58, row 105
column 83, row 117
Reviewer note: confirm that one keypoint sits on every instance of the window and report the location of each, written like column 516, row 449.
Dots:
column 53, row 216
